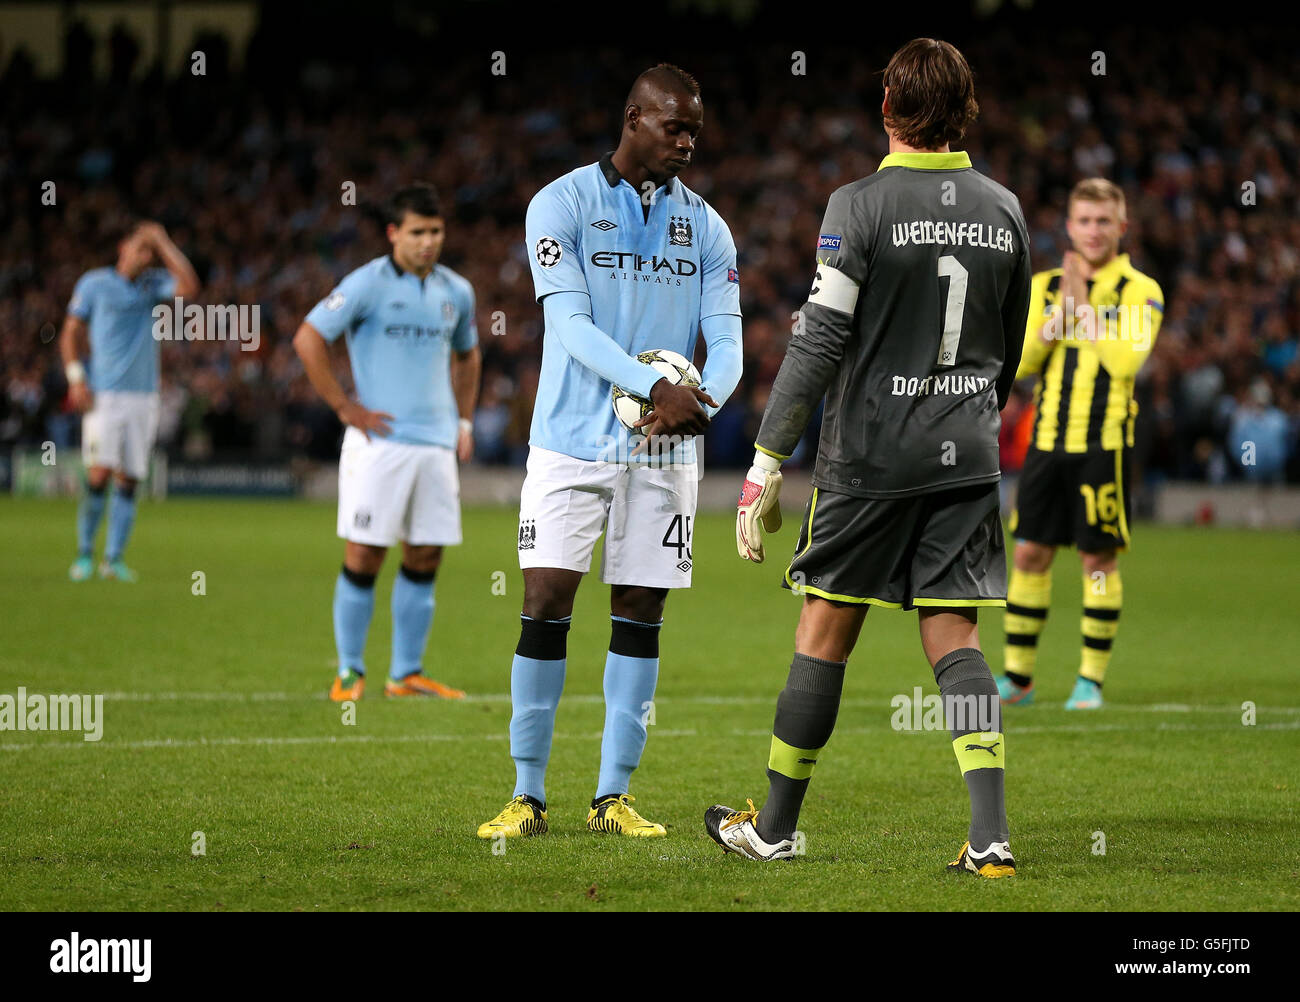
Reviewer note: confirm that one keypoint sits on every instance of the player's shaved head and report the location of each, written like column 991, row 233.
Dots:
column 659, row 84
column 662, row 116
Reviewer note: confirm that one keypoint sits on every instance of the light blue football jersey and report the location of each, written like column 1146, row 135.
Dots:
column 401, row 331
column 651, row 281
column 119, row 316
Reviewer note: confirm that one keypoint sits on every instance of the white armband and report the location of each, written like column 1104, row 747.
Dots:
column 75, row 371
column 467, row 425
column 834, row 290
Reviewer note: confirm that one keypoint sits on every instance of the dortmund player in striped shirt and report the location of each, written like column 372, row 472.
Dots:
column 1091, row 326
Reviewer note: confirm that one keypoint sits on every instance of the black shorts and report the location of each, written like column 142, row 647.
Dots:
column 1074, row 499
column 940, row 549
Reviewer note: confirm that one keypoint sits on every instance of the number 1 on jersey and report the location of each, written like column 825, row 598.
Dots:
column 952, row 314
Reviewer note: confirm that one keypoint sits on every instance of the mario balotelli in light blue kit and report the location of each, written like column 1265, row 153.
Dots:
column 625, row 259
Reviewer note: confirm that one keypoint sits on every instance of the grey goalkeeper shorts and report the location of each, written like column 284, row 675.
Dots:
column 939, row 549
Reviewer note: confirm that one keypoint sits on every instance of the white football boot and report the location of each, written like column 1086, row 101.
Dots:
column 735, row 832
column 995, row 861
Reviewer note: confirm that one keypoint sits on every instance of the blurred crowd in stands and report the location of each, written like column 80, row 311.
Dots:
column 1200, row 130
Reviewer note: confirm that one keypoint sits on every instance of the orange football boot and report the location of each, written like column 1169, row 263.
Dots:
column 349, row 688
column 420, row 685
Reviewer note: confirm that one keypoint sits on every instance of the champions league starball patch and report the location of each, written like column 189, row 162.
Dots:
column 549, row 252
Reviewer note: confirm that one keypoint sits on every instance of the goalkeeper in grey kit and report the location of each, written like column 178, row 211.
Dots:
column 912, row 332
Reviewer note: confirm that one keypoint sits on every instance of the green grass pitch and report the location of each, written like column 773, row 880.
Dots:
column 216, row 722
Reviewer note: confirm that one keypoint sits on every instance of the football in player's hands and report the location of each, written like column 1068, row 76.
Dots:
column 676, row 369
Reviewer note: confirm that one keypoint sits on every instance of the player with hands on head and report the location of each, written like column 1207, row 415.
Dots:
column 110, row 322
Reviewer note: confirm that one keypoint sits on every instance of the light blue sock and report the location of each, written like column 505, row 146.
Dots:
column 89, row 515
column 121, row 516
column 631, row 673
column 536, row 682
column 412, row 616
column 354, row 603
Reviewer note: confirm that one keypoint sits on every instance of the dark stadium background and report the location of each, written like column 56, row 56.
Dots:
column 244, row 165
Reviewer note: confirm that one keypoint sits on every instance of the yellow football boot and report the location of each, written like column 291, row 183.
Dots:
column 613, row 814
column 522, row 816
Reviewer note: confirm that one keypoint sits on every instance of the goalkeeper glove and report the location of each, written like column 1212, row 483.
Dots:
column 759, row 507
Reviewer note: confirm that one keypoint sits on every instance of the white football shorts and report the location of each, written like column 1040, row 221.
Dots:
column 390, row 491
column 645, row 512
column 119, row 431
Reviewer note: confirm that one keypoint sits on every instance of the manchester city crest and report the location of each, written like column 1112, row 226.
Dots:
column 679, row 231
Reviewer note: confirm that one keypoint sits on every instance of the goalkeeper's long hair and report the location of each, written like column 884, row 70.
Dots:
column 931, row 94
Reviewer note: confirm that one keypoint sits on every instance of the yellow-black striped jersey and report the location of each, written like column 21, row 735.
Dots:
column 1084, row 399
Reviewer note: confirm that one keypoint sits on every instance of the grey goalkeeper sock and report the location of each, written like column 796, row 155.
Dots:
column 805, row 717
column 974, row 715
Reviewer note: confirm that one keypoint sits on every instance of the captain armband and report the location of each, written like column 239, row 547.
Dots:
column 834, row 290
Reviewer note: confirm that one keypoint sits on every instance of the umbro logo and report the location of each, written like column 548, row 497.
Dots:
column 604, row 224
column 807, row 761
column 684, row 566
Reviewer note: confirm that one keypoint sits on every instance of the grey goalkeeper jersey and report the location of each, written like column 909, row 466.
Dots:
column 912, row 331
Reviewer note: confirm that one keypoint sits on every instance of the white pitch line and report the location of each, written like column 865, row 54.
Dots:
column 323, row 739
column 504, row 697
column 593, row 736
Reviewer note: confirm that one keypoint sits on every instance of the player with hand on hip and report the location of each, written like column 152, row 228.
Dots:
column 413, row 343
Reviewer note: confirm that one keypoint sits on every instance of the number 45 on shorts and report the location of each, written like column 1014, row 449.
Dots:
column 677, row 537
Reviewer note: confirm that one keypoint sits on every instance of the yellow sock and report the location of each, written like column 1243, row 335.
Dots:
column 1103, row 596
column 1028, row 597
